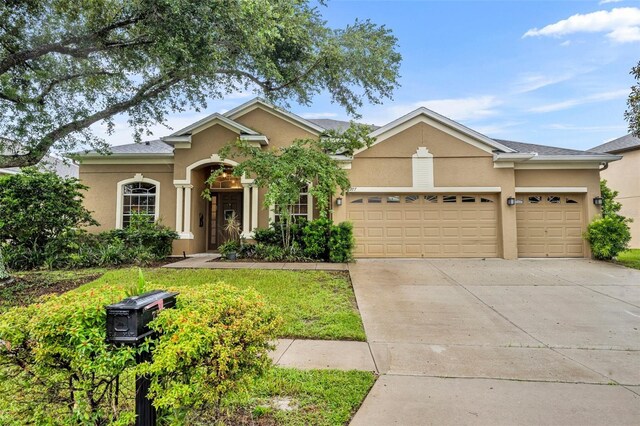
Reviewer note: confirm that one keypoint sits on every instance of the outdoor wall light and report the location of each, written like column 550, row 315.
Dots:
column 597, row 201
column 338, row 201
column 511, row 201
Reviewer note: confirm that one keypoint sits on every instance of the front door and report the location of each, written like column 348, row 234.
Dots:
column 223, row 206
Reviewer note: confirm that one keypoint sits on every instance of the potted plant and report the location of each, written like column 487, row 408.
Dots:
column 233, row 231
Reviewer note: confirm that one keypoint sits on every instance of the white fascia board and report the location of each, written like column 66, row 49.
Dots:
column 176, row 138
column 422, row 111
column 513, row 156
column 438, row 190
column 263, row 140
column 210, row 120
column 292, row 118
column 9, row 172
column 552, row 189
column 578, row 158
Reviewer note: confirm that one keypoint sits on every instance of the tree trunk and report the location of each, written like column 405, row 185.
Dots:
column 4, row 274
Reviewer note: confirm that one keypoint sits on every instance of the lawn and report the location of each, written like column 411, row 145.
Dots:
column 313, row 304
column 630, row 258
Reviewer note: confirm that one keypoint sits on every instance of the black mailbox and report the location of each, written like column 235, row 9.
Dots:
column 127, row 321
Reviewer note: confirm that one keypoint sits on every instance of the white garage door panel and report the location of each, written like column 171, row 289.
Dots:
column 550, row 225
column 423, row 225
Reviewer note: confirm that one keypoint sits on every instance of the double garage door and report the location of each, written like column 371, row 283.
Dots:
column 463, row 225
column 424, row 225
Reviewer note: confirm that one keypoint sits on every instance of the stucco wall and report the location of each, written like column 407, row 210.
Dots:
column 624, row 177
column 102, row 180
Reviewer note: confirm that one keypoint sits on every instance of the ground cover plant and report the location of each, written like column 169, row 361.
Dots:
column 629, row 258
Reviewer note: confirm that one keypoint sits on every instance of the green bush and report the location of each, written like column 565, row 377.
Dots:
column 65, row 373
column 315, row 238
column 270, row 253
column 608, row 236
column 341, row 243
column 228, row 247
column 267, row 236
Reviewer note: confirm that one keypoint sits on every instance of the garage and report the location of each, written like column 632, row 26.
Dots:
column 424, row 225
column 550, row 225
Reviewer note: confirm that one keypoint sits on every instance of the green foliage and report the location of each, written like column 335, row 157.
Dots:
column 214, row 339
column 138, row 288
column 285, row 171
column 341, row 243
column 267, row 236
column 630, row 258
column 315, row 238
column 608, row 236
column 39, row 210
column 632, row 114
column 65, row 66
column 231, row 246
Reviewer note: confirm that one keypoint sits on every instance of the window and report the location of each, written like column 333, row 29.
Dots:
column 410, row 199
column 138, row 198
column 301, row 209
column 357, row 201
column 431, row 198
column 393, row 199
column 553, row 199
column 535, row 199
column 486, row 200
column 449, row 199
column 374, row 200
column 468, row 199
column 570, row 201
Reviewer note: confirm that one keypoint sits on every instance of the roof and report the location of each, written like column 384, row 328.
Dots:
column 154, row 147
column 215, row 117
column 524, row 147
column 339, row 125
column 624, row 143
column 61, row 167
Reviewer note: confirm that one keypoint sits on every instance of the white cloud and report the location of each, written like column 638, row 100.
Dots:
column 622, row 25
column 497, row 129
column 575, row 128
column 565, row 43
column 609, row 1
column 319, row 115
column 530, row 82
column 471, row 108
column 570, row 103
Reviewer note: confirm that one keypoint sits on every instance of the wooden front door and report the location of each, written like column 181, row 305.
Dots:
column 222, row 207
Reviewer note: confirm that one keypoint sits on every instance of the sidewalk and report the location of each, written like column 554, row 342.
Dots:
column 323, row 354
column 204, row 261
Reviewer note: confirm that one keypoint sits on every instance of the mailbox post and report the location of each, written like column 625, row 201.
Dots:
column 128, row 324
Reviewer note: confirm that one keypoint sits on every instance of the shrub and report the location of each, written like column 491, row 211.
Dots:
column 270, row 253
column 210, row 344
column 231, row 246
column 341, row 243
column 315, row 238
column 608, row 236
column 267, row 236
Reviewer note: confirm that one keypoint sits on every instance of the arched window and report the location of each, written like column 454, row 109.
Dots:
column 137, row 196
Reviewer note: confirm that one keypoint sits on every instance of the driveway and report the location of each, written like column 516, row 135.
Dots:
column 500, row 342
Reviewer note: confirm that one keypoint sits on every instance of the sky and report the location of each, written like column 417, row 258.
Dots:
column 548, row 72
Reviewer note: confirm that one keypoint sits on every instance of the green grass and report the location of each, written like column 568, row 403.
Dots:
column 313, row 304
column 314, row 397
column 630, row 258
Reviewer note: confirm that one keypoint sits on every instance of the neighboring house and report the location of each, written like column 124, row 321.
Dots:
column 60, row 167
column 428, row 187
column 624, row 177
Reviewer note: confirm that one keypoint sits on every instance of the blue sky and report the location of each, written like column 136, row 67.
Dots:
column 554, row 73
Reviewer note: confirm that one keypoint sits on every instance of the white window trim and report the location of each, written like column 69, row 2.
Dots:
column 120, row 196
column 272, row 208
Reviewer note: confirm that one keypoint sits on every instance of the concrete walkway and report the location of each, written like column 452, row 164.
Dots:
column 323, row 354
column 209, row 261
column 500, row 342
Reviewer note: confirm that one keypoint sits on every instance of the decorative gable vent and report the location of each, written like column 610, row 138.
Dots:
column 422, row 168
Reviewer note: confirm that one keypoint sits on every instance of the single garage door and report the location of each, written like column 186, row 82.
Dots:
column 550, row 225
column 424, row 225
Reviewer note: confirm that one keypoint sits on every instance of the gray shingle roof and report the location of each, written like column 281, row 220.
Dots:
column 624, row 143
column 542, row 149
column 148, row 147
column 339, row 125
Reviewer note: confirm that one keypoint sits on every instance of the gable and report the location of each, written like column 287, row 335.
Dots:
column 420, row 134
column 280, row 130
column 258, row 103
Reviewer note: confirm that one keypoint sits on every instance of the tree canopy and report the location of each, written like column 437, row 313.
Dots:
column 65, row 65
column 632, row 114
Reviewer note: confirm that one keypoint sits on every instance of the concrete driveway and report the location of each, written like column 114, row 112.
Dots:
column 500, row 342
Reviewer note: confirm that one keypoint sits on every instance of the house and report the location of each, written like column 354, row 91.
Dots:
column 49, row 163
column 428, row 187
column 624, row 177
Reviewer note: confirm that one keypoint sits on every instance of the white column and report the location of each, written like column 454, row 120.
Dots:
column 187, row 212
column 245, row 210
column 254, row 208
column 179, row 208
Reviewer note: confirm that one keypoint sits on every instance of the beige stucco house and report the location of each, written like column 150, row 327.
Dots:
column 624, row 177
column 428, row 187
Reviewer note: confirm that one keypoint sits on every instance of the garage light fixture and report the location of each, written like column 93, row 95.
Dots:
column 338, row 201
column 511, row 201
column 597, row 201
